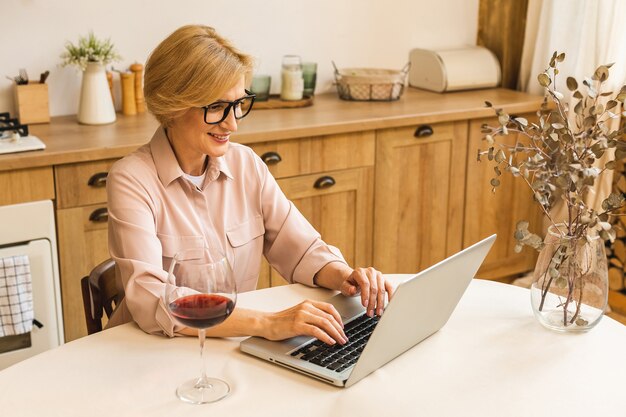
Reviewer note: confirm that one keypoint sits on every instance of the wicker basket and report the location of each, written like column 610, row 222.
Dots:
column 370, row 84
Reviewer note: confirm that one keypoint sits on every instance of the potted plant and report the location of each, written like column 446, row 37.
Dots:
column 90, row 55
column 559, row 158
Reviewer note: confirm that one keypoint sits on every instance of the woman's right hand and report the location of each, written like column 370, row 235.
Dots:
column 309, row 318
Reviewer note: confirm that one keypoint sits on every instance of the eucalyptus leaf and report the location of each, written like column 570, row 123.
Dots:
column 561, row 283
column 521, row 121
column 581, row 322
column 572, row 84
column 544, row 79
column 602, row 73
column 500, row 156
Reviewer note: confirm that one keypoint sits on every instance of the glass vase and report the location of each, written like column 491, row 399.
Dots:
column 570, row 288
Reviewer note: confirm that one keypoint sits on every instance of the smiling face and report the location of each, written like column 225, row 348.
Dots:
column 192, row 139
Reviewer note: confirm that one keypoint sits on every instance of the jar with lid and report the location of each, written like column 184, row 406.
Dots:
column 292, row 80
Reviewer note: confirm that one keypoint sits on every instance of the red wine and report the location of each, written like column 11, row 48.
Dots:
column 202, row 310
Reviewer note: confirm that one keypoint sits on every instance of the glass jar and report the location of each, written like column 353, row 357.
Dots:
column 291, row 77
column 570, row 285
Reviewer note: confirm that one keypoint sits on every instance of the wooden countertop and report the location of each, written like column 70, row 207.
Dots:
column 69, row 142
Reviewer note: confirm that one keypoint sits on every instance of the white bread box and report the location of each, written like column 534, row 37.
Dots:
column 454, row 69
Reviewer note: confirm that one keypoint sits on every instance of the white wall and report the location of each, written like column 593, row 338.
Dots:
column 359, row 33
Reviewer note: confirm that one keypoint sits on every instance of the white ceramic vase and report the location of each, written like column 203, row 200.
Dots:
column 96, row 105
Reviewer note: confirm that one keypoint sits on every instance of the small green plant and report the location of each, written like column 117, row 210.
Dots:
column 89, row 49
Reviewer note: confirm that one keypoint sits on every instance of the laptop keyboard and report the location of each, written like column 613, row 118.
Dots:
column 338, row 357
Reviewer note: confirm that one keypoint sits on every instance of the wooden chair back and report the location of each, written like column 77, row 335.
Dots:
column 100, row 295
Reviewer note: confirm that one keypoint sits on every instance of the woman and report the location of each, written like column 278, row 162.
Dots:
column 191, row 187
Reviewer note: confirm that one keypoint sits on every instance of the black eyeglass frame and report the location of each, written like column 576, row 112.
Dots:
column 249, row 95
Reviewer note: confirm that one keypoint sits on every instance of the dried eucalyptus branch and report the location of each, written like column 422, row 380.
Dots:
column 557, row 160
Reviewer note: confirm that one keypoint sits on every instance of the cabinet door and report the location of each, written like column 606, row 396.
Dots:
column 264, row 275
column 82, row 246
column 339, row 205
column 420, row 188
column 487, row 212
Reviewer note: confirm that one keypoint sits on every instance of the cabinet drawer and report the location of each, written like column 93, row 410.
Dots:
column 82, row 184
column 318, row 154
column 23, row 185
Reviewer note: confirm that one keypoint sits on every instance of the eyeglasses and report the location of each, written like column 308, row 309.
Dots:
column 217, row 112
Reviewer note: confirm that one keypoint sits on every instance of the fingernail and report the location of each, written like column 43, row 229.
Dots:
column 365, row 303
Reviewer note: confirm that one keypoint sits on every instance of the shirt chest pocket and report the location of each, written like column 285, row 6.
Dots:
column 246, row 241
column 171, row 244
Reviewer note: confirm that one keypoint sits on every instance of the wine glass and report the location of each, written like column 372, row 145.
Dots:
column 204, row 295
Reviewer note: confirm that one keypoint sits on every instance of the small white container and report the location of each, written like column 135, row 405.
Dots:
column 292, row 85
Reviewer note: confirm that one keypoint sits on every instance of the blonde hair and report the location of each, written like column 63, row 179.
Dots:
column 192, row 67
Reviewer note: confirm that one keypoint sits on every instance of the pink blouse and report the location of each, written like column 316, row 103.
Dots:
column 154, row 212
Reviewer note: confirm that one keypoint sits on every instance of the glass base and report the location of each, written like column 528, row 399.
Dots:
column 553, row 320
column 203, row 391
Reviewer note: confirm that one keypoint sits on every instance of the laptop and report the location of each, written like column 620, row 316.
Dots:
column 419, row 307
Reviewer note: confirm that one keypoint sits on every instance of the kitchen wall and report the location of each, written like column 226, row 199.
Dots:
column 367, row 33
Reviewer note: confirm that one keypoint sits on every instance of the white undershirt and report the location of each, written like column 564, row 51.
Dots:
column 197, row 180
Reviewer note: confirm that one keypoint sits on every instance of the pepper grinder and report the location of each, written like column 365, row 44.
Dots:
column 129, row 105
column 137, row 69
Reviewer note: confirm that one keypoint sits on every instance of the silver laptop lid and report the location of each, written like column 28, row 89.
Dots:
column 420, row 307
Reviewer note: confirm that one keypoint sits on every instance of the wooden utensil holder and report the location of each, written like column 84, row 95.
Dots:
column 31, row 101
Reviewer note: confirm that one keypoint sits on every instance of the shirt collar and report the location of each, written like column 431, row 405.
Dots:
column 167, row 166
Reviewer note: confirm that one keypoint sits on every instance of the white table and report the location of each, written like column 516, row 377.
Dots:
column 491, row 359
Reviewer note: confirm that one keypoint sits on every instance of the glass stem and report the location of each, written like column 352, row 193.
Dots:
column 203, row 381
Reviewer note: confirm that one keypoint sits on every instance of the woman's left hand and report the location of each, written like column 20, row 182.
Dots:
column 372, row 286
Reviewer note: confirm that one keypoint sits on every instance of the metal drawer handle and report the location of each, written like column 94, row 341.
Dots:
column 423, row 131
column 100, row 215
column 271, row 158
column 324, row 182
column 98, row 179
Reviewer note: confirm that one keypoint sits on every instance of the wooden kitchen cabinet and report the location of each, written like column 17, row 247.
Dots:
column 82, row 236
column 330, row 180
column 420, row 192
column 82, row 233
column 487, row 213
column 341, row 211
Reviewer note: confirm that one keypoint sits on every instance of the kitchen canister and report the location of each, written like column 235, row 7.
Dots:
column 291, row 77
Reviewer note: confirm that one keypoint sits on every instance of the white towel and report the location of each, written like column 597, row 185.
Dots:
column 16, row 296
